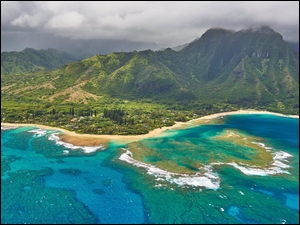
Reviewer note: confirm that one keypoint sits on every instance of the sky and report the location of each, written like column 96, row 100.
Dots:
column 165, row 23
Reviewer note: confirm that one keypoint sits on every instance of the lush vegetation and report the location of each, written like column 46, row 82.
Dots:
column 107, row 115
column 135, row 92
column 33, row 60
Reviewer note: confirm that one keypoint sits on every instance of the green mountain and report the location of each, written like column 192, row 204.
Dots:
column 251, row 68
column 30, row 60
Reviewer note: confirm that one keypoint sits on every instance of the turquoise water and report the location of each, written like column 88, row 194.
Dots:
column 243, row 169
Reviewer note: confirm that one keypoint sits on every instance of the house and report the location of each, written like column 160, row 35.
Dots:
column 73, row 120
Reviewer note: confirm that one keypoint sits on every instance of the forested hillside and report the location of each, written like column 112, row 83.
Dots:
column 223, row 70
column 30, row 60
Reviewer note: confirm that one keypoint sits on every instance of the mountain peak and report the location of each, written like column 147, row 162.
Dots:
column 260, row 29
column 210, row 37
column 214, row 34
column 218, row 31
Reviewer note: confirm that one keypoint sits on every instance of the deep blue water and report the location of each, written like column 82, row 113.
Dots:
column 193, row 175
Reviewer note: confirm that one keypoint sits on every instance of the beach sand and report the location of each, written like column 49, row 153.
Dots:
column 97, row 140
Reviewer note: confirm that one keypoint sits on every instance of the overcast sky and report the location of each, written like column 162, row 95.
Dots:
column 165, row 23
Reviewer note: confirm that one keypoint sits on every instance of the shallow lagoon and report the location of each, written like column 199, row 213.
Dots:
column 242, row 169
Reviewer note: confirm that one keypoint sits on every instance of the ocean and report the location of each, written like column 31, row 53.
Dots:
column 240, row 168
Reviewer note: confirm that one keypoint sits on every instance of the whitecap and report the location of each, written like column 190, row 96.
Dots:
column 86, row 149
column 280, row 164
column 259, row 143
column 8, row 128
column 277, row 166
column 281, row 155
column 252, row 170
column 208, row 180
column 38, row 132
column 53, row 136
column 282, row 221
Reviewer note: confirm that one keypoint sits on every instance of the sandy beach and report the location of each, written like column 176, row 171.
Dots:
column 97, row 140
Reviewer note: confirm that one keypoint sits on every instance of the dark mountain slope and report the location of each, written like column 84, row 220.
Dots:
column 249, row 67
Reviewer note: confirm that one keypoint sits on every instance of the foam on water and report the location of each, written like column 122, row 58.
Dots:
column 38, row 132
column 251, row 170
column 259, row 143
column 281, row 155
column 208, row 180
column 86, row 149
column 8, row 128
column 276, row 167
column 242, row 193
column 282, row 221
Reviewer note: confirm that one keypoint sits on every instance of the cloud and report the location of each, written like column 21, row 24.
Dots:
column 9, row 9
column 66, row 20
column 164, row 23
column 27, row 20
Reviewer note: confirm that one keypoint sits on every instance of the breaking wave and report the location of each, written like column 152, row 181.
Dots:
column 52, row 137
column 86, row 149
column 38, row 132
column 210, row 179
column 8, row 128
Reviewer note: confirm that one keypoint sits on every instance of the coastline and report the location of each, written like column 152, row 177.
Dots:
column 92, row 140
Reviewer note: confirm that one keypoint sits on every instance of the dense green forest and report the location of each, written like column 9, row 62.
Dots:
column 135, row 92
column 30, row 60
column 107, row 115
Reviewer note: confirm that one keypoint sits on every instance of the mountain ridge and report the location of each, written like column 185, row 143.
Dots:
column 252, row 67
column 30, row 59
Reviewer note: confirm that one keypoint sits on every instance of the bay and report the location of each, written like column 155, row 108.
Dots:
column 241, row 169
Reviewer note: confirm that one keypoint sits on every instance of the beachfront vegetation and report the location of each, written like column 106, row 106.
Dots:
column 135, row 92
column 108, row 115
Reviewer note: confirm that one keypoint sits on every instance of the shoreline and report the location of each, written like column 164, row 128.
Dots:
column 92, row 140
